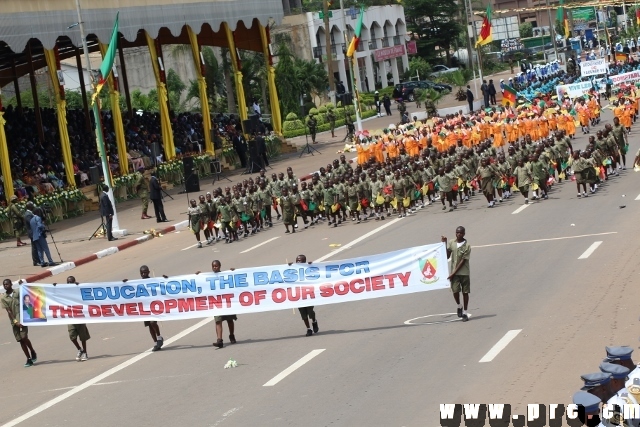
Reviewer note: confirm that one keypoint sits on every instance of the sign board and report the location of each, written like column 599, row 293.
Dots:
column 593, row 68
column 412, row 47
column 389, row 53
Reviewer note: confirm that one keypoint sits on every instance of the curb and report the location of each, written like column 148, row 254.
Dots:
column 66, row 266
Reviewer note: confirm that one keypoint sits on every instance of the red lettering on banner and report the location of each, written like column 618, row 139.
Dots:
column 65, row 312
column 293, row 294
column 227, row 299
column 246, row 299
column 186, row 305
column 354, row 289
column 404, row 278
column 107, row 311
column 326, row 291
column 214, row 301
column 94, row 310
column 367, row 283
column 132, row 309
column 308, row 292
column 201, row 303
column 77, row 311
column 54, row 311
column 278, row 295
column 341, row 288
column 119, row 309
column 376, row 283
column 259, row 296
column 169, row 305
column 156, row 307
column 142, row 310
column 390, row 278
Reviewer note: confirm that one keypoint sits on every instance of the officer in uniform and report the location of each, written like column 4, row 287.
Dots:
column 597, row 383
column 622, row 395
column 313, row 125
column 142, row 189
column 431, row 108
column 589, row 402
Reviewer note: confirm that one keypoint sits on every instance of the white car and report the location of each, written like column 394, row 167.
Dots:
column 441, row 69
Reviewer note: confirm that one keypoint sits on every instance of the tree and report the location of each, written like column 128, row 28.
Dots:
column 420, row 67
column 288, row 87
column 312, row 76
column 435, row 22
column 526, row 30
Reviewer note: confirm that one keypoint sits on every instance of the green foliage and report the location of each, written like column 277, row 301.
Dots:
column 436, row 24
column 458, row 78
column 313, row 111
column 140, row 101
column 559, row 28
column 174, row 82
column 322, row 110
column 420, row 66
column 290, row 125
column 214, row 76
column 330, row 106
column 74, row 99
column 299, row 131
column 526, row 30
column 291, row 116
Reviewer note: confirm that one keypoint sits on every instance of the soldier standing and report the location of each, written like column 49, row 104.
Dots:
column 312, row 123
column 142, row 190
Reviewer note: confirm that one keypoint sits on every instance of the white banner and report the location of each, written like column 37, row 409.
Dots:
column 249, row 290
column 594, row 68
column 573, row 90
column 631, row 77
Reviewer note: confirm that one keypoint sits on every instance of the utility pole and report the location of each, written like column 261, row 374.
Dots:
column 353, row 70
column 552, row 30
column 327, row 41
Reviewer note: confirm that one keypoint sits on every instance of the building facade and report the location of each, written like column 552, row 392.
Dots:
column 382, row 54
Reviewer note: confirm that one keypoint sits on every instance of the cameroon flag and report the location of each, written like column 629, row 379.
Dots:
column 509, row 96
column 109, row 58
column 486, row 32
column 356, row 36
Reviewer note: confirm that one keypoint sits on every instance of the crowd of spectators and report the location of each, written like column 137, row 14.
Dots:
column 37, row 167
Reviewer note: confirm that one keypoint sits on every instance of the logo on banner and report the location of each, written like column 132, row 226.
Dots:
column 428, row 267
column 33, row 304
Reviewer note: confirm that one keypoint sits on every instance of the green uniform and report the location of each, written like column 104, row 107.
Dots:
column 460, row 282
column 12, row 303
column 142, row 190
column 523, row 177
column 444, row 183
column 287, row 204
column 16, row 219
column 195, row 215
column 79, row 332
column 487, row 176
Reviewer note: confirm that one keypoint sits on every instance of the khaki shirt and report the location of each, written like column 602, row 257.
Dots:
column 457, row 254
column 12, row 302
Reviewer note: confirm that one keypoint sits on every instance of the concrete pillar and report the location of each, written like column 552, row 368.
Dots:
column 382, row 70
column 394, row 71
column 405, row 61
column 369, row 70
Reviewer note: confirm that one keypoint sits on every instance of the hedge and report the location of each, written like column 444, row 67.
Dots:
column 321, row 127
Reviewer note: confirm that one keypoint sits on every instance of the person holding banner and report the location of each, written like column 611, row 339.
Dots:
column 11, row 303
column 78, row 331
column 154, row 329
column 307, row 312
column 459, row 253
column 230, row 318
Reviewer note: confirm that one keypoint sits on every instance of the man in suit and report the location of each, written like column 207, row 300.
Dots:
column 470, row 99
column 155, row 194
column 28, row 216
column 106, row 211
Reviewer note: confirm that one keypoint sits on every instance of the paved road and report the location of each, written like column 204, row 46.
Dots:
column 374, row 369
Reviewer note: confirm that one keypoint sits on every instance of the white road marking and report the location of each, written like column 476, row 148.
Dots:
column 591, row 249
column 259, row 244
column 638, row 198
column 409, row 322
column 544, row 240
column 282, row 375
column 192, row 246
column 102, row 376
column 500, row 345
column 358, row 240
column 520, row 209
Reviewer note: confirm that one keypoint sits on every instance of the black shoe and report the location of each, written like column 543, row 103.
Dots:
column 160, row 343
column 113, row 238
column 44, row 264
column 155, row 347
column 51, row 264
column 218, row 344
column 459, row 312
column 232, row 338
column 315, row 327
column 465, row 318
column 34, row 357
column 36, row 263
column 309, row 333
column 28, row 363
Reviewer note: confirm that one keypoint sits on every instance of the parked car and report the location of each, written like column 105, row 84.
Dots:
column 441, row 69
column 406, row 90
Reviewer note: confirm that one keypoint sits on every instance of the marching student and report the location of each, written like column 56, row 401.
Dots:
column 78, row 331
column 229, row 318
column 307, row 312
column 11, row 303
column 154, row 329
column 459, row 252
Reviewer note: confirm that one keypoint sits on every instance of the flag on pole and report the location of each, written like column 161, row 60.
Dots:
column 486, row 32
column 356, row 36
column 561, row 15
column 638, row 16
column 509, row 96
column 109, row 58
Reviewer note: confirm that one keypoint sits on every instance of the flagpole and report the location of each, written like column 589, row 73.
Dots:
column 117, row 232
column 475, row 38
column 469, row 14
column 351, row 69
